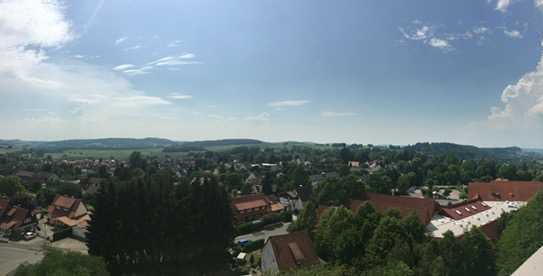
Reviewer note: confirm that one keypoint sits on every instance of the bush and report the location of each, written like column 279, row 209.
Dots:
column 253, row 246
column 250, row 227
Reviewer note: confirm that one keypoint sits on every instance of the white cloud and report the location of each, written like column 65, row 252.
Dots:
column 133, row 48
column 262, row 117
column 123, row 67
column 439, row 43
column 288, row 103
column 521, row 105
column 84, row 95
column 120, row 40
column 175, row 43
column 420, row 33
column 513, row 33
column 502, row 5
column 331, row 114
column 135, row 72
column 176, row 96
column 538, row 3
column 183, row 59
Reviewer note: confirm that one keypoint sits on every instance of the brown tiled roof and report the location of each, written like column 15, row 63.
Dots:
column 63, row 206
column 464, row 209
column 424, row 208
column 250, row 204
column 293, row 250
column 64, row 201
column 504, row 190
column 15, row 218
column 250, row 201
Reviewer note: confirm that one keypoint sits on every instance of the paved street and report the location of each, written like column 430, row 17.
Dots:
column 263, row 235
column 12, row 255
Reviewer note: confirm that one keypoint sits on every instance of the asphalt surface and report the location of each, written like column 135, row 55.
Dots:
column 264, row 235
column 14, row 254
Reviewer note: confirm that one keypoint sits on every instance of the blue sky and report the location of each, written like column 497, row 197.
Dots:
column 379, row 72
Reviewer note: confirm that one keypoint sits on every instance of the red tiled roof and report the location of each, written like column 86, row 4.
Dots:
column 250, row 201
column 424, row 208
column 293, row 250
column 464, row 209
column 504, row 190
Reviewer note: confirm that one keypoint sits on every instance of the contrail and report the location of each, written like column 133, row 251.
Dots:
column 90, row 21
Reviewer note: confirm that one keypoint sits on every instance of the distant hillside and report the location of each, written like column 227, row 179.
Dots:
column 210, row 144
column 105, row 143
column 466, row 151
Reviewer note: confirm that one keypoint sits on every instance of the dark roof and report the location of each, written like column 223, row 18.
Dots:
column 424, row 208
column 293, row 250
column 23, row 173
column 464, row 209
column 504, row 190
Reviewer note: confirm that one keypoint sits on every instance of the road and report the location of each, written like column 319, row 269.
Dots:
column 264, row 235
column 14, row 254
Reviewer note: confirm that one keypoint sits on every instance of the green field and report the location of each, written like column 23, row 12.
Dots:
column 103, row 153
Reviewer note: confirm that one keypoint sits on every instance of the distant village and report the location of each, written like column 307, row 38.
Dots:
column 52, row 200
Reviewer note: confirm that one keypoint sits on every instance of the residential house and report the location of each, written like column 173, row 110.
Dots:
column 69, row 212
column 250, row 207
column 286, row 252
column 15, row 219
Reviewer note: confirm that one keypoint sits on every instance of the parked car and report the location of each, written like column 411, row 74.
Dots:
column 30, row 235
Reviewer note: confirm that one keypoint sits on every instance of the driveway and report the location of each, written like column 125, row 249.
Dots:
column 265, row 234
column 12, row 255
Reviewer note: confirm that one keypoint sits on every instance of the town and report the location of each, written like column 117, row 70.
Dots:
column 333, row 209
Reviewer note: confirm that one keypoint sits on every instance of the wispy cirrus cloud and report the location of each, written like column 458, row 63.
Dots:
column 120, row 40
column 288, row 103
column 123, row 67
column 169, row 62
column 436, row 37
column 176, row 96
column 183, row 59
column 515, row 34
column 333, row 114
column 174, row 44
column 262, row 117
column 133, row 48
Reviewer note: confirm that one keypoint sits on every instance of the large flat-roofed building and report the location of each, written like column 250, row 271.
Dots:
column 504, row 190
column 462, row 217
column 424, row 208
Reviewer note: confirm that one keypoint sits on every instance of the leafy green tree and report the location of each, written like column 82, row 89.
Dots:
column 62, row 263
column 480, row 259
column 139, row 226
column 10, row 186
column 522, row 236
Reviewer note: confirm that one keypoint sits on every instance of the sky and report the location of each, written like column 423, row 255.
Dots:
column 374, row 71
